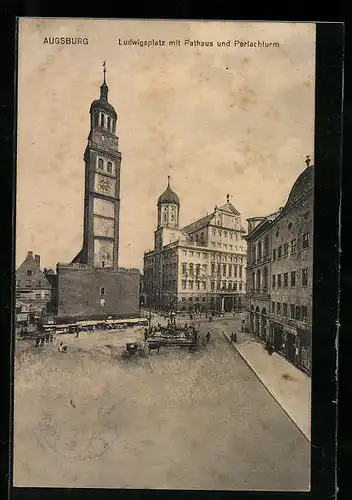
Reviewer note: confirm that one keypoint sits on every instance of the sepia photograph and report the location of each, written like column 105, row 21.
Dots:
column 164, row 254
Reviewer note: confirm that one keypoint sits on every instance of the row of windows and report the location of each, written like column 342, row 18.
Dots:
column 225, row 257
column 260, row 279
column 231, row 234
column 283, row 250
column 213, row 285
column 226, row 270
column 299, row 313
column 108, row 165
column 226, row 246
column 198, row 285
column 105, row 121
column 193, row 268
column 29, row 273
column 261, row 249
column 276, row 280
column 38, row 295
column 191, row 253
column 213, row 256
column 190, row 299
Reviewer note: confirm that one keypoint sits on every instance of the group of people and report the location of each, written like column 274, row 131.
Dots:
column 41, row 339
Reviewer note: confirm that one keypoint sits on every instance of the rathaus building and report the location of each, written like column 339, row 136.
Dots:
column 198, row 267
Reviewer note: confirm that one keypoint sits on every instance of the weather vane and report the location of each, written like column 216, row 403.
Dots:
column 104, row 69
column 308, row 160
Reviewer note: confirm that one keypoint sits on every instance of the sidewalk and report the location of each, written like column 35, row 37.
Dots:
column 288, row 385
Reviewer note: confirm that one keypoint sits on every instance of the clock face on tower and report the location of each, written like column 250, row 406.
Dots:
column 105, row 184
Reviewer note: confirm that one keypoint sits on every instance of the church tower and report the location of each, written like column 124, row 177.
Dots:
column 102, row 186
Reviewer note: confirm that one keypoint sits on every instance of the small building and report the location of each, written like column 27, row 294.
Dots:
column 33, row 289
column 280, row 274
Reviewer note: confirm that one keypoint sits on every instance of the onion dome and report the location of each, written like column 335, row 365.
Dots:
column 303, row 184
column 169, row 196
column 102, row 103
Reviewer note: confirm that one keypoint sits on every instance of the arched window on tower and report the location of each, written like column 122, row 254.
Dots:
column 109, row 123
column 102, row 120
column 100, row 164
column 109, row 167
column 96, row 119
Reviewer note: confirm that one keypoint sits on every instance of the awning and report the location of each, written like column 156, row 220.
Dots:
column 89, row 323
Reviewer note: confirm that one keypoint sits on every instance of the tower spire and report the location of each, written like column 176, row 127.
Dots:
column 104, row 71
column 104, row 88
column 168, row 180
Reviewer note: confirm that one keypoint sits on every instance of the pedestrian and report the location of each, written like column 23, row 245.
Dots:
column 234, row 337
column 243, row 325
column 207, row 337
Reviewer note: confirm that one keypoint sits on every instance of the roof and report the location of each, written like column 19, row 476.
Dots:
column 198, row 224
column 104, row 105
column 102, row 102
column 228, row 207
column 302, row 186
column 169, row 196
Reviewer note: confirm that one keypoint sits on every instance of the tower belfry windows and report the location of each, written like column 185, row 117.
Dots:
column 102, row 120
column 109, row 123
column 109, row 167
column 100, row 164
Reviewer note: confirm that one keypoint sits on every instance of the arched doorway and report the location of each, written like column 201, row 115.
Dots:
column 263, row 332
column 251, row 319
column 257, row 323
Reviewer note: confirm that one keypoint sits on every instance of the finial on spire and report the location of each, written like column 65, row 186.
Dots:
column 308, row 161
column 227, row 198
column 104, row 70
column 168, row 180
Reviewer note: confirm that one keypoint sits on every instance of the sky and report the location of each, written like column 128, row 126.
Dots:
column 218, row 120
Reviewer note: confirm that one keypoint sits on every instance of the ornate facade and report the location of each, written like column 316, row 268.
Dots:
column 200, row 266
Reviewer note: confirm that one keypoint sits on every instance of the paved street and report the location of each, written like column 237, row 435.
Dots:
column 175, row 420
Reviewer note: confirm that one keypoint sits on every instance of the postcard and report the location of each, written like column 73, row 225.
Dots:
column 164, row 254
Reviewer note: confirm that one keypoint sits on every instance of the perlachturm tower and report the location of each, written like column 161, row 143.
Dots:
column 93, row 285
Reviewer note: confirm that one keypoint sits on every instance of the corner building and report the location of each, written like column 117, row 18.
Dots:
column 199, row 267
column 280, row 274
column 92, row 285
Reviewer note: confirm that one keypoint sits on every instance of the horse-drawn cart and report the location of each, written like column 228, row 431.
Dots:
column 133, row 349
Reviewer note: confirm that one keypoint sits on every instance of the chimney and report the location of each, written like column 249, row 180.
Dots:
column 37, row 259
column 30, row 255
